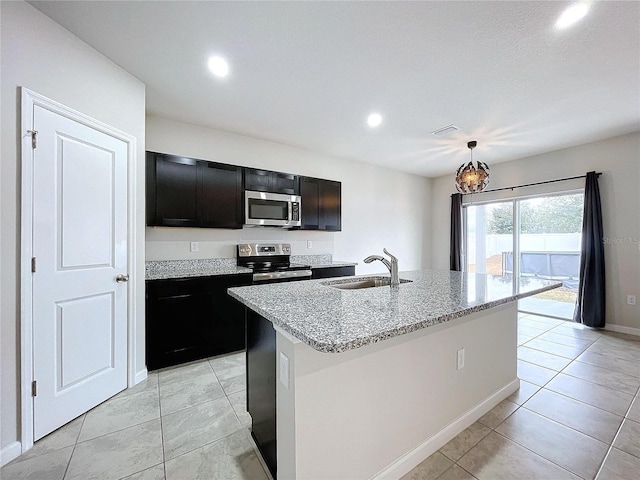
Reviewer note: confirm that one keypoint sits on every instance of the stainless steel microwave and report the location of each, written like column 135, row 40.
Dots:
column 271, row 209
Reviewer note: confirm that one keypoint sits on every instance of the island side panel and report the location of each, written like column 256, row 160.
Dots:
column 378, row 411
column 261, row 385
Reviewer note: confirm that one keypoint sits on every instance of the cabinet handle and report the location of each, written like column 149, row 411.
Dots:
column 122, row 278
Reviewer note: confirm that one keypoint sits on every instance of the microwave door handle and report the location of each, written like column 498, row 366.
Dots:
column 290, row 208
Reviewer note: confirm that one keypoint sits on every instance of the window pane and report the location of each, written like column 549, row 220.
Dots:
column 550, row 237
column 489, row 238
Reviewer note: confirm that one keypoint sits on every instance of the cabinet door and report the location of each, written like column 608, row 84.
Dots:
column 176, row 192
column 257, row 180
column 176, row 330
column 330, row 206
column 192, row 318
column 228, row 315
column 310, row 199
column 221, row 204
column 286, row 183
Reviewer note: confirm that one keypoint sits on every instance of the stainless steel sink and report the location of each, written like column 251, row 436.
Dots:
column 360, row 283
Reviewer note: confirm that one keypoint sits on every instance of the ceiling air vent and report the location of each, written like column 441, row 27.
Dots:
column 444, row 131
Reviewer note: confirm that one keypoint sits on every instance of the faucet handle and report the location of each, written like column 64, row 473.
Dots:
column 390, row 255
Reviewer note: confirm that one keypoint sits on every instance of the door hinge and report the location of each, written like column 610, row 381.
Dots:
column 33, row 264
column 34, row 388
column 34, row 138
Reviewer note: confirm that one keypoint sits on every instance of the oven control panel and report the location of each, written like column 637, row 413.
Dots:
column 263, row 249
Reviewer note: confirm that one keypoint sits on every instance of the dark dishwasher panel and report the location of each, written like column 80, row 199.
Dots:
column 261, row 386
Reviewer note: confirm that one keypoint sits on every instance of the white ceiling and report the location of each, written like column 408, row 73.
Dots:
column 308, row 73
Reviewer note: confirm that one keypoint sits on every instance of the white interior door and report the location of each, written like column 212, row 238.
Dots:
column 80, row 248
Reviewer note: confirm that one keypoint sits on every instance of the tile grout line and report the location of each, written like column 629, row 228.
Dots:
column 75, row 444
column 164, row 458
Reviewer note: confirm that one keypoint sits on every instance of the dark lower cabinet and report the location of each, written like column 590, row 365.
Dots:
column 328, row 272
column 261, row 386
column 192, row 318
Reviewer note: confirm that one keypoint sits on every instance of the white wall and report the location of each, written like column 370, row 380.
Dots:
column 619, row 160
column 40, row 55
column 380, row 207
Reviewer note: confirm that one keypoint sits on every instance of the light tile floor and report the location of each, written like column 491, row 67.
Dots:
column 187, row 422
column 576, row 415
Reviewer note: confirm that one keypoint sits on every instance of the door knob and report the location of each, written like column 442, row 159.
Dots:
column 122, row 278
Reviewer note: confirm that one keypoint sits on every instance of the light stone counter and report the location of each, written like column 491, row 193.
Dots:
column 320, row 261
column 164, row 269
column 333, row 320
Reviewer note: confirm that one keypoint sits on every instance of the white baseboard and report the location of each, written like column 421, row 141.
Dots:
column 141, row 375
column 622, row 329
column 8, row 453
column 413, row 458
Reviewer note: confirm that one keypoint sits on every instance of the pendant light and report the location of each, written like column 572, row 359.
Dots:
column 471, row 179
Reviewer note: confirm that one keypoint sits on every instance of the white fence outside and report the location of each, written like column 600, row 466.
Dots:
column 530, row 242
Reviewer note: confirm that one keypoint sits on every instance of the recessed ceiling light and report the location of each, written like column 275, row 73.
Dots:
column 572, row 14
column 374, row 119
column 218, row 66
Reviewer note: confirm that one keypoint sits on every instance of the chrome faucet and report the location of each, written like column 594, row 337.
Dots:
column 391, row 265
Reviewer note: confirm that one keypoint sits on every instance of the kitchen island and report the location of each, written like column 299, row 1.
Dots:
column 367, row 383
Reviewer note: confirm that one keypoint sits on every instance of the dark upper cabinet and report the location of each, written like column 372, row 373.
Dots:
column 184, row 192
column 221, row 205
column 172, row 199
column 310, row 199
column 321, row 204
column 267, row 181
column 330, row 205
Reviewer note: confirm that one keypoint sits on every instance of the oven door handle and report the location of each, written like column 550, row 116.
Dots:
column 263, row 277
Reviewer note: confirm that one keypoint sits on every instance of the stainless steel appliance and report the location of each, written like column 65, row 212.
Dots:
column 270, row 262
column 271, row 209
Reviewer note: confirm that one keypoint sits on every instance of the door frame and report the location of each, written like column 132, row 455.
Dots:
column 29, row 100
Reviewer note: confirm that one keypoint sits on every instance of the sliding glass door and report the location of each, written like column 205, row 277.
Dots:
column 532, row 237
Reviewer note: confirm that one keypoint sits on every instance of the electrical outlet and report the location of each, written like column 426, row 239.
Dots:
column 460, row 359
column 195, row 247
column 284, row 370
column 309, row 244
column 631, row 299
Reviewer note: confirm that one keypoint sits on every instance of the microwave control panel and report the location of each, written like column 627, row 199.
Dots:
column 295, row 211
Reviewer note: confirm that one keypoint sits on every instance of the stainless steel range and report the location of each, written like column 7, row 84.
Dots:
column 270, row 262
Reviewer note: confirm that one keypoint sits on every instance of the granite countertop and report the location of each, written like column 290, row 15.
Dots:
column 334, row 320
column 320, row 261
column 165, row 269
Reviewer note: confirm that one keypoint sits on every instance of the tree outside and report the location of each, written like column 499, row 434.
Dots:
column 560, row 214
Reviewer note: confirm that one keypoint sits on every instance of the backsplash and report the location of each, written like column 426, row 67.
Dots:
column 164, row 243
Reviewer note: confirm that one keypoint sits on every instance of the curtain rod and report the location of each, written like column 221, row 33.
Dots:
column 531, row 184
